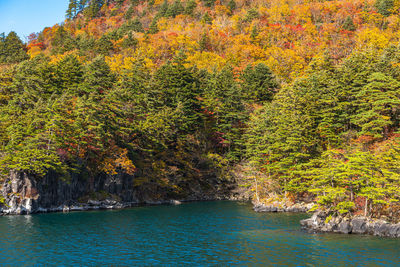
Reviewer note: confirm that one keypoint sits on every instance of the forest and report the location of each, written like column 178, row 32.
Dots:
column 302, row 95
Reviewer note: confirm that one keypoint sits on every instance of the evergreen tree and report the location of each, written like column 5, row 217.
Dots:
column 104, row 45
column 348, row 24
column 153, row 26
column 68, row 74
column 377, row 104
column 207, row 18
column 178, row 89
column 259, row 83
column 72, row 9
column 204, row 42
column 384, row 7
column 209, row 3
column 232, row 5
column 190, row 7
column 175, row 9
column 97, row 77
column 14, row 49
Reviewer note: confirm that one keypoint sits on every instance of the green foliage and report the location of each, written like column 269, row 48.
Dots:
column 348, row 24
column 384, row 7
column 62, row 41
column 12, row 49
column 232, row 5
column 208, row 3
column 190, row 7
column 104, row 45
column 207, row 18
column 259, row 83
column 175, row 9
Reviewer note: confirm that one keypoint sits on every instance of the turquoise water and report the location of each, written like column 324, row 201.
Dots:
column 196, row 234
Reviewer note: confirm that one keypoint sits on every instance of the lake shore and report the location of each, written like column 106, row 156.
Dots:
column 321, row 222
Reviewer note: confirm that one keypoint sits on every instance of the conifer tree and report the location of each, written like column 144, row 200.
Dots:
column 259, row 83
column 72, row 9
column 14, row 49
column 190, row 7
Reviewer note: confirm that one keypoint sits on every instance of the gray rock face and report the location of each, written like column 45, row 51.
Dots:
column 278, row 207
column 344, row 227
column 25, row 194
column 357, row 225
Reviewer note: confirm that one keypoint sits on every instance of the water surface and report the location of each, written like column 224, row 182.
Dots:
column 196, row 234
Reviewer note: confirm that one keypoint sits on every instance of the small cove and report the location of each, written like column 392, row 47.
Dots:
column 199, row 234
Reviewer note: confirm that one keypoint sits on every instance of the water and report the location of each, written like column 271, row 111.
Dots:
column 194, row 234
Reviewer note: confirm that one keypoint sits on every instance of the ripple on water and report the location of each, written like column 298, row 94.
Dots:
column 208, row 233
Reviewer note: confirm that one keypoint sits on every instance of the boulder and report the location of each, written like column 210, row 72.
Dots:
column 359, row 225
column 344, row 227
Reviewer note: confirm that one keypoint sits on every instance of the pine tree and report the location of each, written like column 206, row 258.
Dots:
column 384, row 7
column 14, row 49
column 175, row 9
column 232, row 5
column 153, row 26
column 97, row 77
column 207, row 18
column 104, row 45
column 377, row 104
column 348, row 24
column 190, row 7
column 259, row 83
column 72, row 9
column 68, row 74
column 204, row 42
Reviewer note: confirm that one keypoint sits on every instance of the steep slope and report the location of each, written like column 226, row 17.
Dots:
column 157, row 100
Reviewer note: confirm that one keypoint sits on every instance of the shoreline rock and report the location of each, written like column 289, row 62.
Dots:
column 320, row 222
column 279, row 207
column 26, row 194
column 98, row 205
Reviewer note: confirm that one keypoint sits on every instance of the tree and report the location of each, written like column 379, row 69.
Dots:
column 62, row 41
column 384, row 7
column 72, row 9
column 97, row 77
column 68, row 74
column 377, row 104
column 175, row 9
column 14, row 49
column 348, row 24
column 94, row 8
column 190, row 7
column 232, row 5
column 104, row 45
column 259, row 83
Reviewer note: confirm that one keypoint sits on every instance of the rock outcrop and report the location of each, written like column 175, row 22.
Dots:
column 321, row 222
column 25, row 194
column 279, row 207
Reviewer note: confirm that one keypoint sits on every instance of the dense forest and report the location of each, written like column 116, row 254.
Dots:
column 303, row 95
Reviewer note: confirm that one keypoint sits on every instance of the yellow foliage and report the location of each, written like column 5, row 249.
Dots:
column 205, row 60
column 34, row 51
column 57, row 58
column 372, row 38
column 118, row 160
column 221, row 10
column 118, row 63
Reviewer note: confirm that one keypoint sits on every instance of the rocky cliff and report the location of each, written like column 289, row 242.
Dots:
column 321, row 222
column 25, row 194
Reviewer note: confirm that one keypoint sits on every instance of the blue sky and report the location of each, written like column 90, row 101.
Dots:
column 27, row 16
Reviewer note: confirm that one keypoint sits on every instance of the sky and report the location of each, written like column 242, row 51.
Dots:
column 28, row 16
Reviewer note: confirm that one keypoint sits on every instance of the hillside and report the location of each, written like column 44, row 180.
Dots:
column 302, row 96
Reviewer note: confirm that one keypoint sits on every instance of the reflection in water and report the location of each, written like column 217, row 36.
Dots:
column 209, row 233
